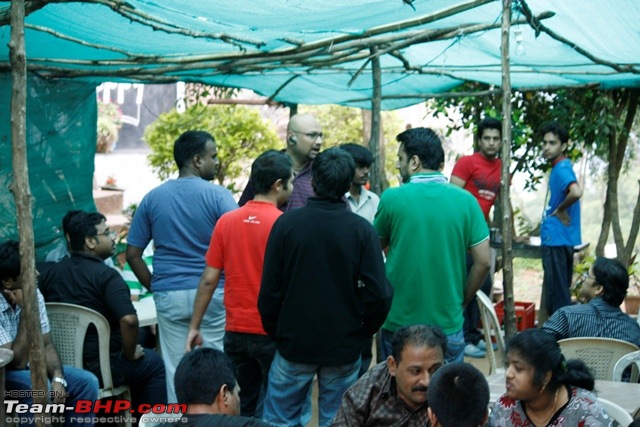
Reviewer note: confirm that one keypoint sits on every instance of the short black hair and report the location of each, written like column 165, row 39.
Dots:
column 189, row 144
column 269, row 167
column 332, row 173
column 424, row 143
column 361, row 155
column 81, row 226
column 200, row 375
column 489, row 123
column 556, row 129
column 614, row 279
column 9, row 260
column 458, row 395
column 418, row 336
column 66, row 219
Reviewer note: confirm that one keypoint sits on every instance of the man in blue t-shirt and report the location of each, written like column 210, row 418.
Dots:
column 560, row 227
column 179, row 216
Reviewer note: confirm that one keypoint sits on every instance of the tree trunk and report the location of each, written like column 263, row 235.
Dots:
column 507, row 257
column 377, row 168
column 22, row 193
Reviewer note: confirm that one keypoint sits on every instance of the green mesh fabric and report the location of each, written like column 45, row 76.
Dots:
column 220, row 43
column 61, row 135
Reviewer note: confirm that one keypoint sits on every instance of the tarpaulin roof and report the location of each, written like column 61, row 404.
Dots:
column 317, row 51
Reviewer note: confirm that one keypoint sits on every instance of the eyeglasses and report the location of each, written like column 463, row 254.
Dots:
column 312, row 135
column 108, row 233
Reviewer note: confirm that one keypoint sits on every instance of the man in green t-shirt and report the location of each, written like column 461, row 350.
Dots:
column 428, row 225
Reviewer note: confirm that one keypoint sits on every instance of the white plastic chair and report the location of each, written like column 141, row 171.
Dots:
column 69, row 324
column 491, row 329
column 619, row 416
column 599, row 354
column 625, row 361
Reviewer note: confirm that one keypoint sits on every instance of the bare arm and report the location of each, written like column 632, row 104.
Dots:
column 457, row 181
column 138, row 266
column 129, row 330
column 54, row 368
column 573, row 195
column 481, row 255
column 384, row 243
column 208, row 284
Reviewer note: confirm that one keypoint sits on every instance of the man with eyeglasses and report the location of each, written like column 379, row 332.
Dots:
column 84, row 279
column 304, row 141
column 603, row 288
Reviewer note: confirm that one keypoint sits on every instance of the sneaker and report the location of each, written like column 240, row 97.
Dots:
column 483, row 346
column 471, row 350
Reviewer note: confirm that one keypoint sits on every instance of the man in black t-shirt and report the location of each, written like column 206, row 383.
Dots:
column 85, row 280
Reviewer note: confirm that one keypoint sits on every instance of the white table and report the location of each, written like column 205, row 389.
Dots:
column 624, row 394
column 146, row 309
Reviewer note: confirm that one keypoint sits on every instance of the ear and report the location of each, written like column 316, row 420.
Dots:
column 432, row 418
column 392, row 365
column 277, row 185
column 197, row 161
column 8, row 283
column 90, row 242
column 564, row 146
column 415, row 162
column 222, row 399
column 485, row 418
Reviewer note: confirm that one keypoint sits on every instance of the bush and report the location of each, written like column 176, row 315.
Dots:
column 241, row 135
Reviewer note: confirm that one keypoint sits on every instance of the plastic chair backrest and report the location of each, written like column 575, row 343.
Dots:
column 69, row 324
column 616, row 412
column 625, row 361
column 492, row 330
column 599, row 354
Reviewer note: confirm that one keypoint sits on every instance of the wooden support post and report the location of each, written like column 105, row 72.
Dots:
column 377, row 168
column 22, row 193
column 505, row 181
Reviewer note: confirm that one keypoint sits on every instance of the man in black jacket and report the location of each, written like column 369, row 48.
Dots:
column 323, row 292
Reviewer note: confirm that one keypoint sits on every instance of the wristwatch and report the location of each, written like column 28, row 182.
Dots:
column 60, row 380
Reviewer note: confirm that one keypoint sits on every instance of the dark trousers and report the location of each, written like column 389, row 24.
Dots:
column 471, row 313
column 557, row 262
column 252, row 355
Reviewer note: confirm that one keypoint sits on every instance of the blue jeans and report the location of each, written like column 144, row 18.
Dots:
column 290, row 385
column 175, row 309
column 81, row 384
column 455, row 346
column 252, row 355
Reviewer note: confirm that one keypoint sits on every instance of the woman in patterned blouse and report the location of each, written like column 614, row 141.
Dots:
column 543, row 389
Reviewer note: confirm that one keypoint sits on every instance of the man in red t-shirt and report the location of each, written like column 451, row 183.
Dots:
column 479, row 173
column 237, row 246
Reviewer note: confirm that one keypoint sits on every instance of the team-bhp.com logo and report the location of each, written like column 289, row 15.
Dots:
column 87, row 408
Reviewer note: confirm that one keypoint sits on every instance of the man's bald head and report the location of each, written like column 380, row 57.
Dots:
column 304, row 139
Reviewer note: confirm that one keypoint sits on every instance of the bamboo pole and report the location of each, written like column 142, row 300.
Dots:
column 505, row 180
column 377, row 168
column 22, row 193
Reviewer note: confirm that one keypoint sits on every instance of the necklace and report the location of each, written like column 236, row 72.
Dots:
column 553, row 408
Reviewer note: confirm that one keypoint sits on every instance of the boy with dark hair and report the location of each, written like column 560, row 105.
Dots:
column 361, row 201
column 604, row 288
column 560, row 226
column 479, row 174
column 205, row 382
column 311, row 301
column 237, row 246
column 458, row 396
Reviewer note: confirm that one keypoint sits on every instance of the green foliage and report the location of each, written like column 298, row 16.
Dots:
column 588, row 114
column 241, row 135
column 345, row 124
